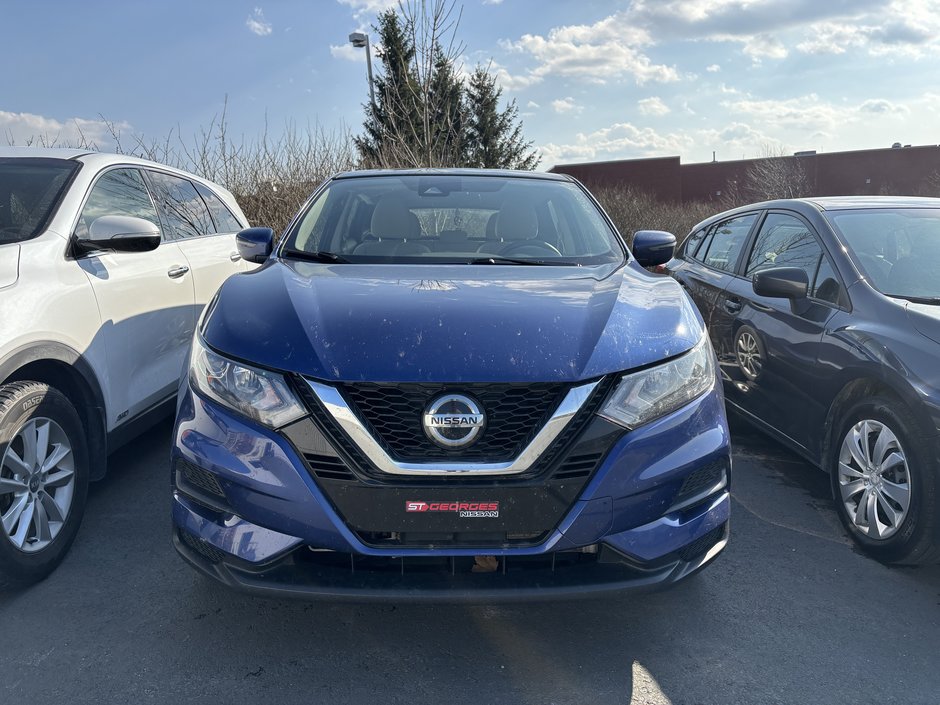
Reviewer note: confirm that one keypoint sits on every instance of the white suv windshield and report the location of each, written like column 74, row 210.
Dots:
column 440, row 218
column 29, row 191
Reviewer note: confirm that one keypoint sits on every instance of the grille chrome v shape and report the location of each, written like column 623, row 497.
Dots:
column 336, row 406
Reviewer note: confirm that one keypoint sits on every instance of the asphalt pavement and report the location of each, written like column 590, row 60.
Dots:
column 790, row 613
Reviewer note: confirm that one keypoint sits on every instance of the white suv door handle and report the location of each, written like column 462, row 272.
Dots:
column 234, row 256
column 177, row 271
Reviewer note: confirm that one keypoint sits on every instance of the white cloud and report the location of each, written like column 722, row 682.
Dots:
column 618, row 141
column 617, row 46
column 566, row 105
column 257, row 24
column 532, row 104
column 653, row 106
column 347, row 52
column 25, row 128
column 605, row 50
column 492, row 2
column 713, row 68
column 764, row 46
column 880, row 106
column 368, row 9
column 513, row 82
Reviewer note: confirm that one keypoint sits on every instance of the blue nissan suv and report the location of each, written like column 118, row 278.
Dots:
column 451, row 384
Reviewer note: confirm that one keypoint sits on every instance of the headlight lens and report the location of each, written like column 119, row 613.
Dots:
column 641, row 397
column 258, row 394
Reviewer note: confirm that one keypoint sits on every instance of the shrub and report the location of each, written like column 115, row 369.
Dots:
column 632, row 209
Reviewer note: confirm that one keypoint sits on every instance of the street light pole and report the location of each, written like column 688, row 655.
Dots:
column 359, row 40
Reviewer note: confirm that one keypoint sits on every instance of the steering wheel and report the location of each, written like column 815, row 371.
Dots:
column 527, row 247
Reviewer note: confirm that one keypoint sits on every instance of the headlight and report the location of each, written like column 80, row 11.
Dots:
column 258, row 394
column 643, row 396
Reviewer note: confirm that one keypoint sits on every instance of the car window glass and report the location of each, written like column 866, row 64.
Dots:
column 692, row 243
column 225, row 222
column 181, row 206
column 30, row 188
column 117, row 192
column 784, row 241
column 726, row 243
column 827, row 287
column 456, row 218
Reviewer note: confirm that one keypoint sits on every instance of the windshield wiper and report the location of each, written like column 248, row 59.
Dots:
column 512, row 260
column 319, row 256
column 934, row 300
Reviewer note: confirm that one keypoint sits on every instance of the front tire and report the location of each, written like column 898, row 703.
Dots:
column 885, row 480
column 43, row 480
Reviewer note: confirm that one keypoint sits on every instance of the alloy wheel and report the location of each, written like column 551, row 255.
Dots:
column 37, row 483
column 874, row 479
column 748, row 353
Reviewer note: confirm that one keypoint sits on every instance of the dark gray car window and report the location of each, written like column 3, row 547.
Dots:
column 784, row 241
column 827, row 286
column 723, row 246
column 692, row 243
column 225, row 222
column 117, row 192
column 183, row 210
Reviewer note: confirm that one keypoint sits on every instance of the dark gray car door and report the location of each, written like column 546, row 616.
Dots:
column 778, row 386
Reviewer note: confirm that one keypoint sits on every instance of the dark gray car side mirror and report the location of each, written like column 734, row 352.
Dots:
column 781, row 283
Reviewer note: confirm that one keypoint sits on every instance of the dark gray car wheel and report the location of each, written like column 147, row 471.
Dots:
column 749, row 352
column 885, row 479
column 43, row 480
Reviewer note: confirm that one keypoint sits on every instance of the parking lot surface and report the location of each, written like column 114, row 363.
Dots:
column 790, row 613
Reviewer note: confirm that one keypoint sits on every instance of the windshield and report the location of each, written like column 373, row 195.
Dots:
column 443, row 218
column 29, row 191
column 899, row 249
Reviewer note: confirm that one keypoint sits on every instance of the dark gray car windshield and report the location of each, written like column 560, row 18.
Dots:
column 440, row 218
column 899, row 249
column 30, row 189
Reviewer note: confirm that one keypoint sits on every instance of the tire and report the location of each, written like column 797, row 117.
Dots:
column 900, row 520
column 749, row 352
column 51, row 493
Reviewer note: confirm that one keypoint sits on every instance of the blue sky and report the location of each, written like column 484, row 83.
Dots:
column 593, row 80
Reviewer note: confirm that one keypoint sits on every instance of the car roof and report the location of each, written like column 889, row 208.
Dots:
column 42, row 152
column 835, row 203
column 504, row 173
column 825, row 203
column 91, row 157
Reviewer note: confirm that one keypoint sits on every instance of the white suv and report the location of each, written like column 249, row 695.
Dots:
column 106, row 261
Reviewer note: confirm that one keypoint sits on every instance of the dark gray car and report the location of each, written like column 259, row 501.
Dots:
column 825, row 314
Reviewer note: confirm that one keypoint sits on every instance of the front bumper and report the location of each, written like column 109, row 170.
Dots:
column 249, row 511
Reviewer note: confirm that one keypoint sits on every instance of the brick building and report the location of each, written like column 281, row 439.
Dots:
column 895, row 170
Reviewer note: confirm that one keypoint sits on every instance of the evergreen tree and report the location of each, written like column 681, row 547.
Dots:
column 494, row 138
column 392, row 122
column 424, row 114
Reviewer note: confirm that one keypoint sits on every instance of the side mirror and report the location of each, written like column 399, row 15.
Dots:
column 255, row 244
column 121, row 233
column 653, row 247
column 781, row 283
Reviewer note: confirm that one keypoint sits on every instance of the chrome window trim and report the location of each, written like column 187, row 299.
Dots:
column 336, row 406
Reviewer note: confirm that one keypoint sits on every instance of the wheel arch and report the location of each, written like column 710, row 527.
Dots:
column 61, row 367
column 865, row 385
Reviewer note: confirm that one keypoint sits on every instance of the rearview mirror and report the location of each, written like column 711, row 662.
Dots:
column 255, row 244
column 121, row 233
column 653, row 247
column 781, row 283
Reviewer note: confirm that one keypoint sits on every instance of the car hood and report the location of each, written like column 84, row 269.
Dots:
column 926, row 319
column 450, row 323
